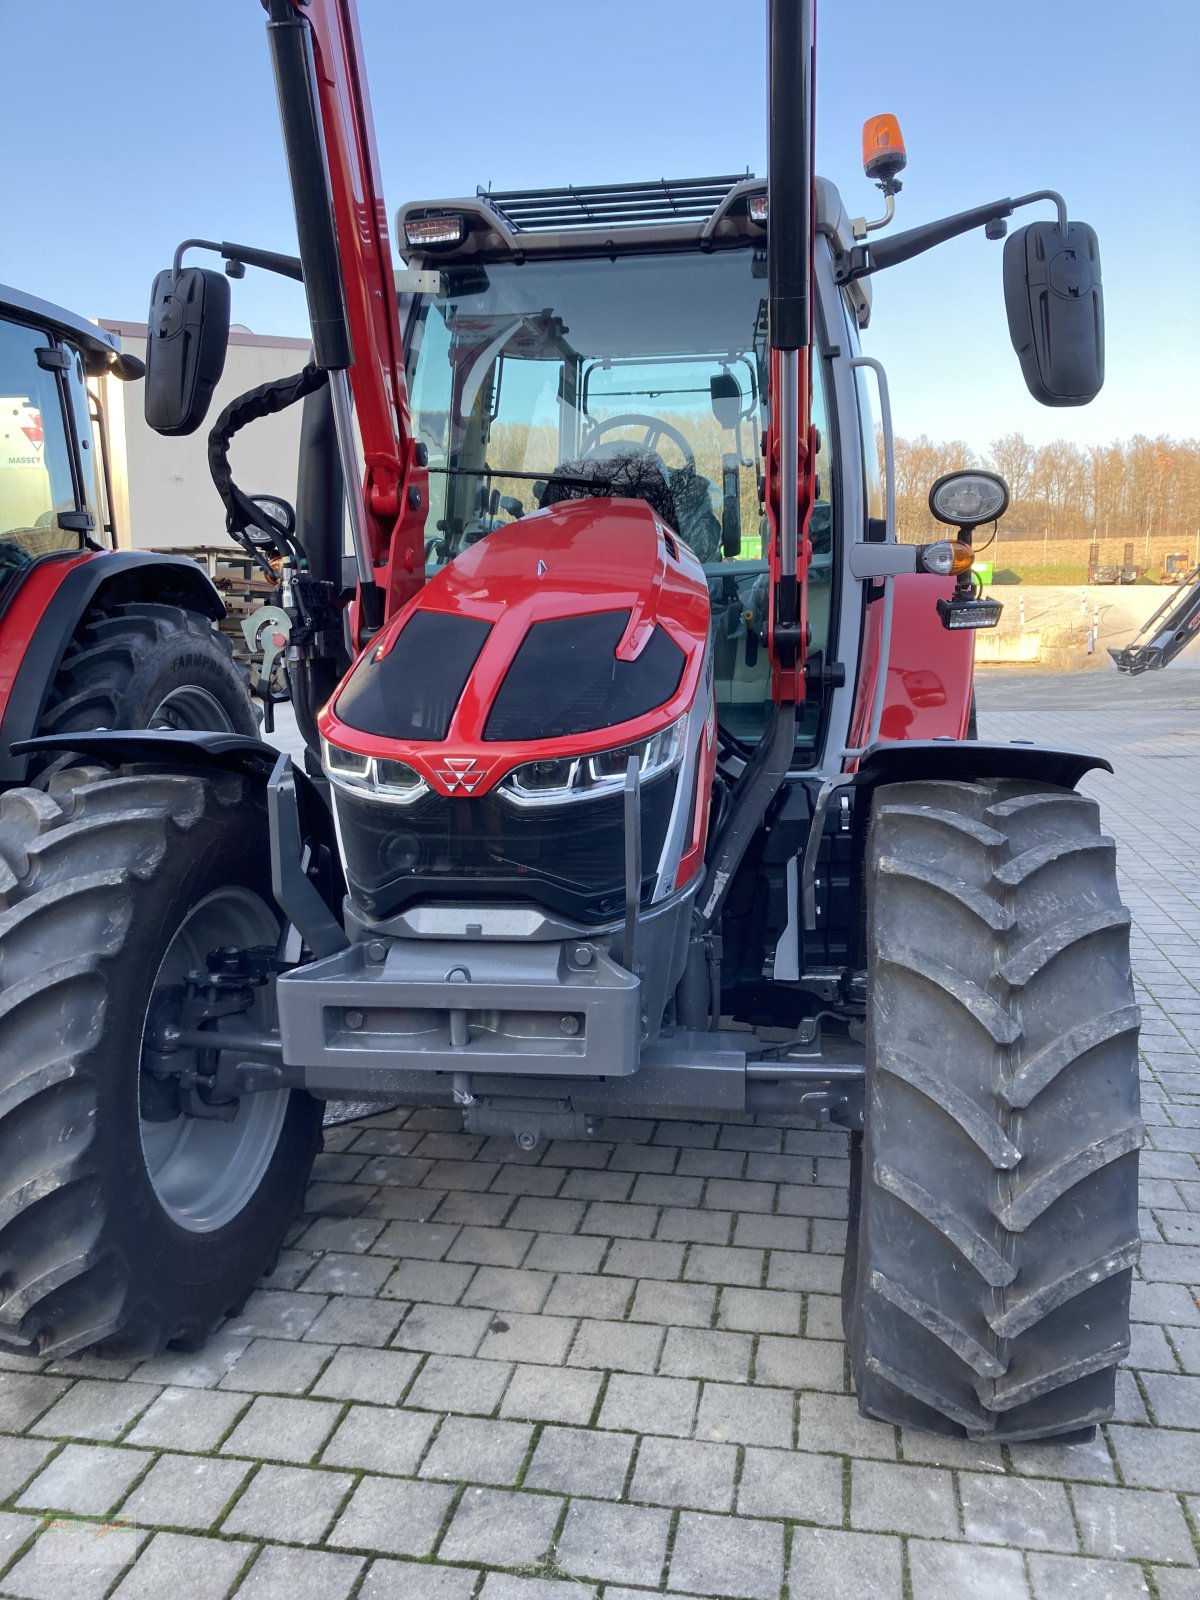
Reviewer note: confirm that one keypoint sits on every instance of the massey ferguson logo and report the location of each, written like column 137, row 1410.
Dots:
column 460, row 772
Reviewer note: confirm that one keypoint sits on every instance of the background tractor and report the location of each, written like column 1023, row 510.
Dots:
column 91, row 636
column 636, row 775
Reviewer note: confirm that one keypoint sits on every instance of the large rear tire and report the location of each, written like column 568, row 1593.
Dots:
column 125, row 1224
column 987, row 1287
column 145, row 665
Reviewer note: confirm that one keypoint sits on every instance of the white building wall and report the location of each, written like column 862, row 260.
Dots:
column 172, row 502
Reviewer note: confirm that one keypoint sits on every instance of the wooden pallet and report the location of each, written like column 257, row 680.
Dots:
column 239, row 581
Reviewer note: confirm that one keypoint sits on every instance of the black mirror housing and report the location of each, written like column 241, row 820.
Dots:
column 1055, row 304
column 726, row 396
column 186, row 339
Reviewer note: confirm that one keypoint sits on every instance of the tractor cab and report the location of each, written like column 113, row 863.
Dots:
column 562, row 344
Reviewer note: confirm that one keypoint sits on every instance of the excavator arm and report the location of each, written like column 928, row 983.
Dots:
column 1171, row 629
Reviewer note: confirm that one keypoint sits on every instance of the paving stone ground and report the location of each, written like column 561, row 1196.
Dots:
column 614, row 1369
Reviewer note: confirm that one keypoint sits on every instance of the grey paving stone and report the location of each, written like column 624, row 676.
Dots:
column 67, row 1559
column 685, row 1472
column 184, row 1492
column 845, row 1566
column 1073, row 1578
column 358, row 1374
column 760, row 1311
column 519, row 1336
column 583, row 1461
column 619, row 1220
column 822, row 1316
column 658, row 1189
column 733, row 1415
column 675, row 1304
column 276, row 1366
column 787, row 1483
column 732, row 1194
column 621, row 1346
column 19, row 1460
column 1149, row 1349
column 1174, row 1584
column 580, row 1295
column 85, row 1479
column 200, row 1369
column 444, row 1330
column 800, row 1363
column 24, row 1397
column 477, row 1450
column 349, row 1234
column 500, row 1528
column 541, row 1214
column 620, row 1544
column 1030, row 1512
column 1132, row 1524
column 354, row 1319
column 185, row 1567
column 292, row 1504
column 731, row 1556
column 393, row 1516
column 713, row 1263
column 274, row 1313
column 492, row 1247
column 788, row 1270
column 475, row 1210
column 1174, row 1399
column 95, row 1410
column 711, row 1163
column 504, row 1586
column 940, row 1450
column 440, row 1281
column 833, row 1422
column 807, row 1200
column 900, row 1499
column 566, row 1252
column 416, row 1240
column 700, row 1227
column 649, row 1405
column 508, row 1289
column 188, row 1419
column 276, row 1429
column 585, row 1185
column 551, row 1394
column 756, row 1231
column 387, row 1579
column 282, row 1574
column 1089, row 1462
column 519, row 1177
column 942, row 1571
column 640, row 1258
column 1158, row 1458
column 706, row 1353
column 459, row 1383
column 380, row 1440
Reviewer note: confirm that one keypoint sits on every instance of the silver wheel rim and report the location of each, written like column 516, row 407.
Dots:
column 206, row 1172
column 191, row 709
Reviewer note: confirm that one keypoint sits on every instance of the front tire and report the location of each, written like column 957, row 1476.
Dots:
column 987, row 1288
column 118, row 1230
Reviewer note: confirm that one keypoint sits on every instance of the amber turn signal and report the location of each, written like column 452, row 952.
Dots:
column 945, row 558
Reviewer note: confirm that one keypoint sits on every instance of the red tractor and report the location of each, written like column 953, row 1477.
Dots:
column 636, row 777
column 90, row 636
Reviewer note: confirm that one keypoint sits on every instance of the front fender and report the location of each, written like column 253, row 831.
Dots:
column 966, row 759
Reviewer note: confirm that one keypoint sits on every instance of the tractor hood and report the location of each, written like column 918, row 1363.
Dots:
column 572, row 631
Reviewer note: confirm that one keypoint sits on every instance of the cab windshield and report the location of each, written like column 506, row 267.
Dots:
column 642, row 375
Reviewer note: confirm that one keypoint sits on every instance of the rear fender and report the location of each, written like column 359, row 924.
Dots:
column 44, row 613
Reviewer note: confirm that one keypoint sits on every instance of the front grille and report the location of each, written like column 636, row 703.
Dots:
column 570, row 858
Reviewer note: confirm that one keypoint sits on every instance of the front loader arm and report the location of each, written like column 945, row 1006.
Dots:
column 329, row 134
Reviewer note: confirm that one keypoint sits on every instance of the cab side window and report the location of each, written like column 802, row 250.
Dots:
column 36, row 482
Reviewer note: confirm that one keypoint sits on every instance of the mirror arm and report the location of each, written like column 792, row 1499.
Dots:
column 242, row 255
column 884, row 253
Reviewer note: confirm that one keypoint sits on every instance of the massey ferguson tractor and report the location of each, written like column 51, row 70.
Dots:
column 90, row 636
column 636, row 782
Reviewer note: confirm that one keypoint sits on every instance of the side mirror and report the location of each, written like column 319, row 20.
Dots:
column 1055, row 310
column 726, row 395
column 187, row 334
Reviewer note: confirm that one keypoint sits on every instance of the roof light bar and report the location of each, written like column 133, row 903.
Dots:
column 434, row 230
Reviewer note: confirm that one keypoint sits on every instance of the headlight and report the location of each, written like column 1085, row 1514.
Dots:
column 585, row 777
column 386, row 779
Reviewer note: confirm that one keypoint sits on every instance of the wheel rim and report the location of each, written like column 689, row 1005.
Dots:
column 192, row 709
column 205, row 1172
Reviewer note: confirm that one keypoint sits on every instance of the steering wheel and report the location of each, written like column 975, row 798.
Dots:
column 655, row 427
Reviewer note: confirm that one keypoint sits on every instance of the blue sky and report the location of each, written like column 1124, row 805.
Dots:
column 161, row 123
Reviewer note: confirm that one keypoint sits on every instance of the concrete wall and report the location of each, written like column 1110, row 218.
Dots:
column 172, row 502
column 1049, row 626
